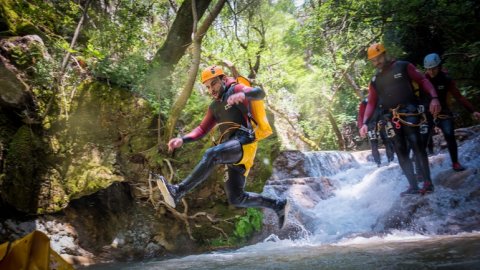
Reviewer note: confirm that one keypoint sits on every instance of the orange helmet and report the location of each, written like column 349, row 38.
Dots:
column 375, row 50
column 211, row 72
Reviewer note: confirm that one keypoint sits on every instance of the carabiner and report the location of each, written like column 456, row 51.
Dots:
column 396, row 121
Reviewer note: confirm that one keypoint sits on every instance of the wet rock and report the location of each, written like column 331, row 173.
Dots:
column 289, row 164
column 452, row 179
column 306, row 191
column 451, row 209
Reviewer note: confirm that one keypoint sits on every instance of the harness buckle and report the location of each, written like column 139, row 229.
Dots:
column 396, row 121
column 421, row 108
column 389, row 129
column 423, row 128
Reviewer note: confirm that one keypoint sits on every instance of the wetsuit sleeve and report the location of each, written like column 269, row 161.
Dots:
column 372, row 103
column 199, row 132
column 421, row 80
column 254, row 93
column 361, row 112
column 452, row 88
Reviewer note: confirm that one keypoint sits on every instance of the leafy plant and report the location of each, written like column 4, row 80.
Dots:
column 248, row 224
column 245, row 227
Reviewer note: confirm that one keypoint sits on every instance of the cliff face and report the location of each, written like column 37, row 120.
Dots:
column 73, row 151
column 55, row 150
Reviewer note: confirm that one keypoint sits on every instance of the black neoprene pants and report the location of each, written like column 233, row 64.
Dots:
column 448, row 130
column 229, row 152
column 406, row 138
column 447, row 127
column 374, row 142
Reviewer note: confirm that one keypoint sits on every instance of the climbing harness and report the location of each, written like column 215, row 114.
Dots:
column 398, row 121
column 442, row 117
column 232, row 126
column 389, row 130
column 373, row 135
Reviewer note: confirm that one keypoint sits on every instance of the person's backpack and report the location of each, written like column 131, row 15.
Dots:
column 257, row 115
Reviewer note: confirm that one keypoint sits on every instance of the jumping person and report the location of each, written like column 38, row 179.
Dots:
column 376, row 131
column 236, row 148
column 391, row 90
column 444, row 85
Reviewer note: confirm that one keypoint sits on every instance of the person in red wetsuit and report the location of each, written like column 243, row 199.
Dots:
column 391, row 90
column 236, row 147
column 444, row 85
column 376, row 130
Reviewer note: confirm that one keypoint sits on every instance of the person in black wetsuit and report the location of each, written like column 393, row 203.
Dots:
column 236, row 148
column 391, row 87
column 444, row 85
column 376, row 131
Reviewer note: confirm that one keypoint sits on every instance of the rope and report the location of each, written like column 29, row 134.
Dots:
column 397, row 118
column 233, row 126
column 442, row 117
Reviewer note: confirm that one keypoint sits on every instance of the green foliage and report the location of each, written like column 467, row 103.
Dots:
column 246, row 225
column 195, row 110
column 119, row 49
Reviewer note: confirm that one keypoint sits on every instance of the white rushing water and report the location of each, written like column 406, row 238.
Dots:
column 338, row 232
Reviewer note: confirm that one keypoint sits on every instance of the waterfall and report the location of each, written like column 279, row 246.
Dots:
column 339, row 195
column 328, row 162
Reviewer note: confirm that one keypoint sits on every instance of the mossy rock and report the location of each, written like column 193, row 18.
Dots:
column 20, row 185
column 105, row 127
column 78, row 155
column 14, row 24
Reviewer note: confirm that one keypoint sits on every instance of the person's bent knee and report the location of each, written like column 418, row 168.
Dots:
column 211, row 155
column 236, row 200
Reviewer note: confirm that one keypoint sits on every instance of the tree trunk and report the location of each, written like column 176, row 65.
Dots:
column 60, row 81
column 179, row 38
column 336, row 130
column 182, row 99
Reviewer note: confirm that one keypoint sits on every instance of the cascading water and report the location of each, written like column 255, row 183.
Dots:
column 347, row 213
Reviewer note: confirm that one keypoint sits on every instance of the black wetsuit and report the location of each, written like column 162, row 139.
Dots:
column 229, row 151
column 392, row 88
column 444, row 85
column 376, row 131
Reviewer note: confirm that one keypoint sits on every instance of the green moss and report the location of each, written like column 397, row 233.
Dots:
column 106, row 126
column 20, row 185
column 89, row 174
column 8, row 15
column 16, row 24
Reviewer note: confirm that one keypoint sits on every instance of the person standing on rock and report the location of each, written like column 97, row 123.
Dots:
column 392, row 91
column 237, row 145
column 444, row 85
column 376, row 130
